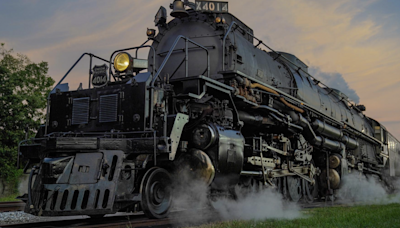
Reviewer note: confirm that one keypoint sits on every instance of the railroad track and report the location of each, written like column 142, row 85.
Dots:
column 124, row 221
column 12, row 206
column 138, row 220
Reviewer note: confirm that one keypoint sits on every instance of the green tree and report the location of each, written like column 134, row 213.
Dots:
column 24, row 87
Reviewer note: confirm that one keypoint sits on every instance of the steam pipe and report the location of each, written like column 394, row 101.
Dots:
column 334, row 133
column 270, row 109
column 251, row 173
column 327, row 130
column 352, row 144
column 318, row 140
column 257, row 85
column 254, row 120
column 306, row 125
column 332, row 145
column 247, row 83
column 287, row 122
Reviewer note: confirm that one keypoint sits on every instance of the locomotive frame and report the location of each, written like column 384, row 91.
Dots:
column 233, row 115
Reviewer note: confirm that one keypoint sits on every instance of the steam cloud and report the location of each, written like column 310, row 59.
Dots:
column 335, row 81
column 359, row 189
column 265, row 204
column 192, row 200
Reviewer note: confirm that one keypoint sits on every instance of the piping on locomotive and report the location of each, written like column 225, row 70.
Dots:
column 208, row 97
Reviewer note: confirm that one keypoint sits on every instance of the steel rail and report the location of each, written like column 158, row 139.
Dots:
column 12, row 206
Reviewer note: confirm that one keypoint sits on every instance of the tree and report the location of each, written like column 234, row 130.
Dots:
column 24, row 87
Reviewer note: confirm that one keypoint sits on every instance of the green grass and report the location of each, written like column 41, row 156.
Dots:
column 357, row 216
column 9, row 198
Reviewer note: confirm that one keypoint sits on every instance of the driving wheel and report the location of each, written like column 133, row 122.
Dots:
column 294, row 188
column 156, row 193
column 310, row 191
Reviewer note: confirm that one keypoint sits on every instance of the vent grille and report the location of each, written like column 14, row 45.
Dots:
column 80, row 110
column 108, row 108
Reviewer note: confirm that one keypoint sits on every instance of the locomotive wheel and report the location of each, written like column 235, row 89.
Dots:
column 283, row 187
column 294, row 188
column 156, row 193
column 310, row 191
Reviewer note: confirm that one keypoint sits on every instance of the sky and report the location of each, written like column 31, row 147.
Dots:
column 352, row 45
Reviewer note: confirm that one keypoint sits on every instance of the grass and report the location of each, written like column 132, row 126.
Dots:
column 356, row 216
column 9, row 198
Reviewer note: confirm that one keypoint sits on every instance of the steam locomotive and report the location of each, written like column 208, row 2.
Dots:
column 211, row 101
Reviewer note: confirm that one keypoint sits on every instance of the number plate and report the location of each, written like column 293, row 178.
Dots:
column 100, row 76
column 214, row 7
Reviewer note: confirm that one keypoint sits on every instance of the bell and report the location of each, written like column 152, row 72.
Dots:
column 178, row 9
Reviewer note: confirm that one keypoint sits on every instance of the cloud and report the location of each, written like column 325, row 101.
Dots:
column 98, row 27
column 335, row 81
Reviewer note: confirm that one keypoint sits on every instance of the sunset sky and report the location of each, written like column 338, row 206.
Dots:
column 350, row 45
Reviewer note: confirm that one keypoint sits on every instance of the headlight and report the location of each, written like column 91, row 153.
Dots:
column 122, row 61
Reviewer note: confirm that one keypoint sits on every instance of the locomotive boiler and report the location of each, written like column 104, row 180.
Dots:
column 211, row 102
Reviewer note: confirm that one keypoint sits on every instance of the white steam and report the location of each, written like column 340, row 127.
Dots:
column 265, row 204
column 192, row 199
column 359, row 189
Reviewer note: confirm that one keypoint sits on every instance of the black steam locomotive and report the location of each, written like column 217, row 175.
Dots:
column 208, row 102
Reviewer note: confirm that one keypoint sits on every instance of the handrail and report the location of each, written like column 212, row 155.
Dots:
column 136, row 54
column 278, row 56
column 186, row 57
column 165, row 62
column 224, row 42
column 73, row 66
column 133, row 48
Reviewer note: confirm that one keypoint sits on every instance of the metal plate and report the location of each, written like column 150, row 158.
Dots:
column 86, row 168
column 212, row 6
column 99, row 197
column 76, row 143
column 180, row 121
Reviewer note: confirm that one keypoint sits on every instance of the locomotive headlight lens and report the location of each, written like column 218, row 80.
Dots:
column 151, row 32
column 220, row 20
column 122, row 61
